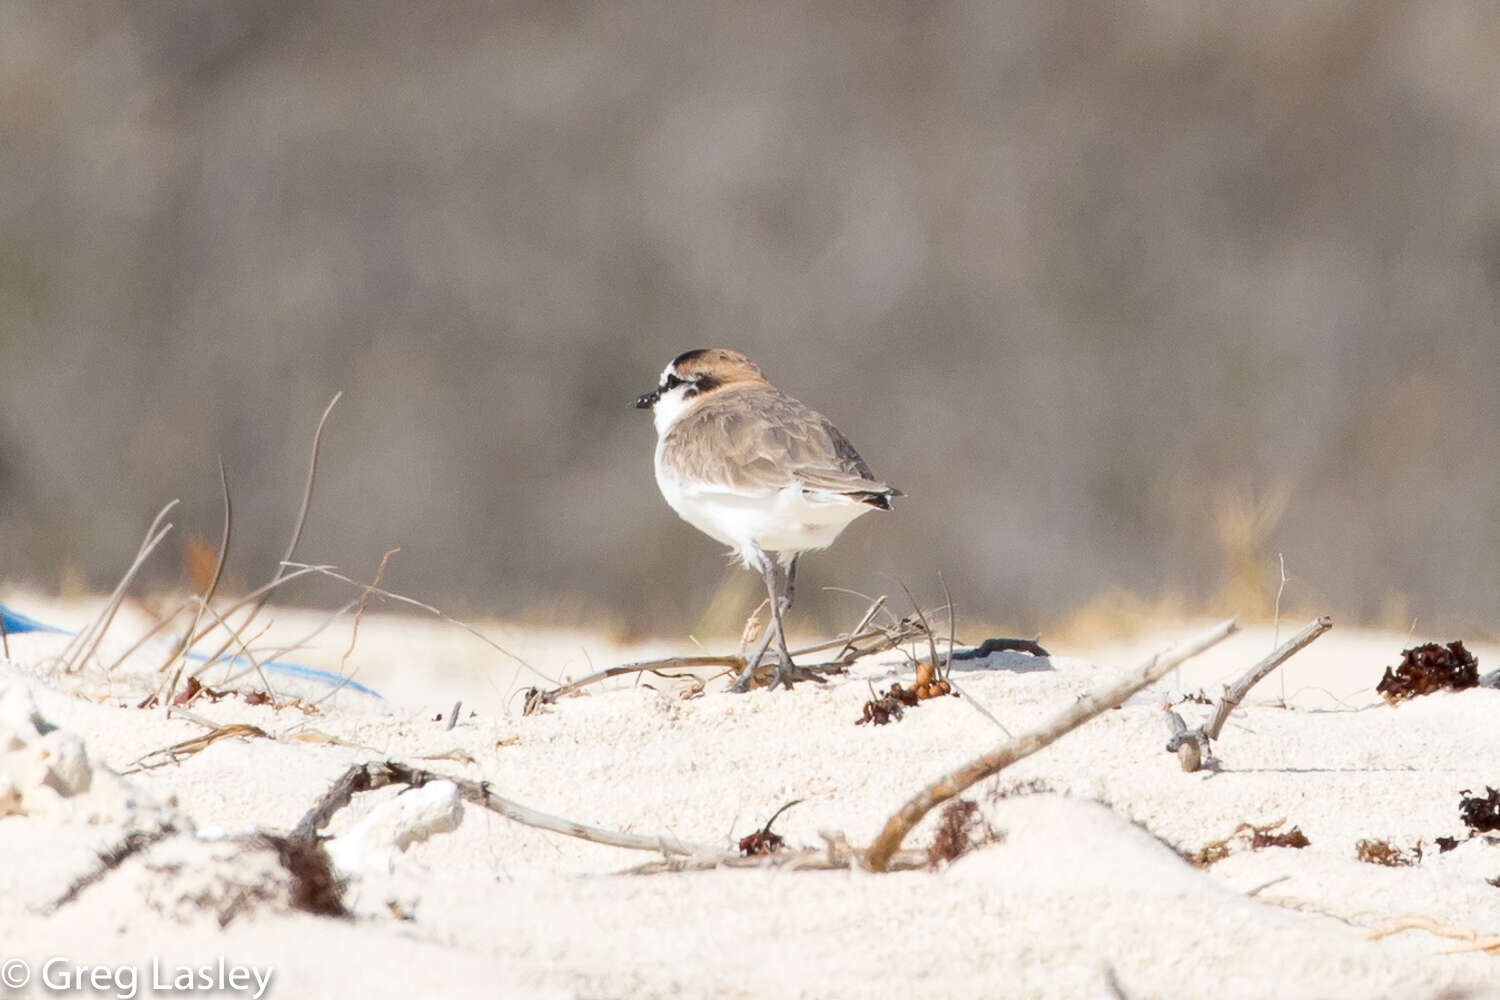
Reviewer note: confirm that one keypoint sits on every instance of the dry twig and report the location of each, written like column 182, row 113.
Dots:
column 951, row 785
column 206, row 600
column 1192, row 745
column 1473, row 941
column 379, row 774
column 177, row 751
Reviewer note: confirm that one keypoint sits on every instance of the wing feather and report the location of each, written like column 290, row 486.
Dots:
column 755, row 440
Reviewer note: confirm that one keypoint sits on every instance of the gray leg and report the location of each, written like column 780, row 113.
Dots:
column 791, row 586
column 779, row 602
column 768, row 573
column 742, row 682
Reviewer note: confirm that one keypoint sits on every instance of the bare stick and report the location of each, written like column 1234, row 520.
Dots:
column 1189, row 751
column 886, row 639
column 1192, row 745
column 901, row 861
column 1234, row 694
column 909, row 815
column 453, row 716
column 208, row 593
column 379, row 774
column 111, row 858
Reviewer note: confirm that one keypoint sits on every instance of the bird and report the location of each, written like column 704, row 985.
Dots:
column 759, row 471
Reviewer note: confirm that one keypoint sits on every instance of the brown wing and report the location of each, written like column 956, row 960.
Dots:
column 757, row 439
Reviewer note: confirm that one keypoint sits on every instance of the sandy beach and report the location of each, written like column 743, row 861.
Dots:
column 1080, row 889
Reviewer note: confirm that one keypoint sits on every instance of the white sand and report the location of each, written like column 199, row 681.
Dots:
column 1079, row 885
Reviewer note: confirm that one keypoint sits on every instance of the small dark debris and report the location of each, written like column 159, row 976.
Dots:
column 1260, row 837
column 760, row 842
column 763, row 841
column 1446, row 844
column 1209, row 854
column 1428, row 668
column 188, row 693
column 257, row 698
column 399, row 911
column 1197, row 699
column 1481, row 814
column 1263, row 837
column 891, row 706
column 1380, row 852
column 960, row 830
column 194, row 689
column 1033, row 786
column 315, row 887
column 1493, row 881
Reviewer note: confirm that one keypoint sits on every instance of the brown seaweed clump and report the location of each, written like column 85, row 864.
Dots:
column 1428, row 668
column 961, row 828
column 1480, row 813
column 1381, row 852
column 889, row 707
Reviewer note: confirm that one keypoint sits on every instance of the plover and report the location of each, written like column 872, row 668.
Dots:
column 750, row 466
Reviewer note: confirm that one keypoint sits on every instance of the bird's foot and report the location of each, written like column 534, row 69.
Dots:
column 771, row 672
column 789, row 673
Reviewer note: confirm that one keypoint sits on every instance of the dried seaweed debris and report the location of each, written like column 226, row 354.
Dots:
column 1428, row 668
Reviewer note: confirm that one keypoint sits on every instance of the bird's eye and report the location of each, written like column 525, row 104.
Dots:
column 672, row 382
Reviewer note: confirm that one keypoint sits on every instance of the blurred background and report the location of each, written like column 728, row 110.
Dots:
column 1129, row 298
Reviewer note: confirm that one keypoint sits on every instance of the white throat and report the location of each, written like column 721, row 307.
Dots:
column 669, row 408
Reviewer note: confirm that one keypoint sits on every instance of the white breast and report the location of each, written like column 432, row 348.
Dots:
column 785, row 521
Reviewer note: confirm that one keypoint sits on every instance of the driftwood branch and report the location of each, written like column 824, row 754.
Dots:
column 1192, row 745
column 851, row 648
column 878, row 858
column 380, row 774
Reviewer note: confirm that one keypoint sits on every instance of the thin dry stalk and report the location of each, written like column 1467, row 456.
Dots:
column 140, row 553
column 297, row 528
column 874, row 609
column 950, row 785
column 359, row 615
column 1473, row 941
column 177, row 751
column 379, row 774
column 100, row 625
column 926, row 628
column 208, row 594
column 161, row 623
column 412, row 602
column 245, row 652
column 286, row 650
column 952, row 630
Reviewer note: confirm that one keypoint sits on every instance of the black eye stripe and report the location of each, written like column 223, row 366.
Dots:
column 672, row 382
